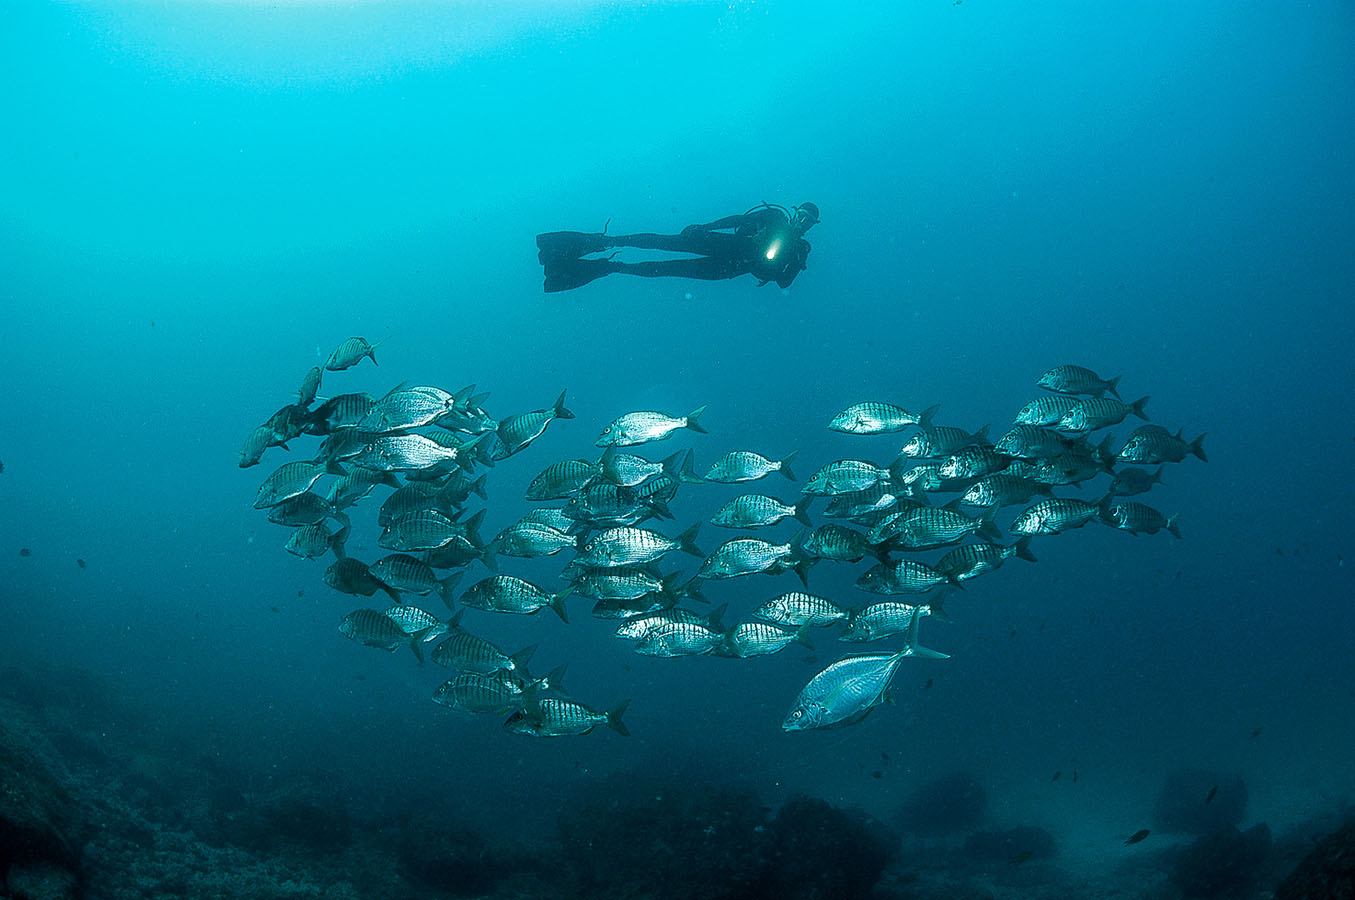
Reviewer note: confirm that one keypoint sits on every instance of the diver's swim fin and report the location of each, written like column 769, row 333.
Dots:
column 567, row 274
column 569, row 244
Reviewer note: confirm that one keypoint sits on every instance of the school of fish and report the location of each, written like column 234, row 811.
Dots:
column 941, row 491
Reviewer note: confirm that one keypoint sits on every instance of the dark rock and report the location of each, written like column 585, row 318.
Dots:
column 818, row 850
column 448, row 858
column 1010, row 844
column 36, row 816
column 293, row 812
column 1327, row 873
column 1222, row 864
column 956, row 802
column 1198, row 801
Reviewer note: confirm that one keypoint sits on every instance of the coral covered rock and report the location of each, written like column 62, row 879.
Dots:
column 1327, row 873
column 1222, row 864
column 37, row 856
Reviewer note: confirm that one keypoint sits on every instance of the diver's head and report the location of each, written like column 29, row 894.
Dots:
column 805, row 217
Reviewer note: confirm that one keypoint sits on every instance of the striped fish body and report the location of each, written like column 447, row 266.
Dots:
column 313, row 541
column 306, row 508
column 1055, row 515
column 1152, row 444
column 342, row 445
column 637, row 626
column 928, row 527
column 550, row 517
column 796, row 608
column 753, row 511
column 627, row 546
column 423, row 529
column 1138, row 518
column 557, row 717
column 415, row 621
column 1094, row 413
column 876, row 498
column 845, row 476
column 1031, row 442
column 679, row 639
column 350, row 353
column 876, row 417
column 881, row 620
column 629, row 470
column 457, row 552
column 481, row 694
column 259, row 440
column 974, row 462
column 405, row 453
column 658, row 491
column 606, row 608
column 1129, row 482
column 744, row 556
column 837, row 542
column 1077, row 380
column 405, row 573
column 973, row 560
column 355, row 486
column 901, row 576
column 287, row 423
column 644, row 426
column 924, row 477
column 757, row 639
column 1003, row 489
column 845, row 691
column 603, row 502
column 339, row 412
column 310, row 386
column 531, row 541
column 509, row 594
column 403, row 409
column 374, row 629
column 562, row 479
column 617, row 584
column 745, row 465
column 287, row 481
column 1045, row 410
column 351, row 576
column 516, row 432
column 933, row 441
column 408, row 499
column 472, row 653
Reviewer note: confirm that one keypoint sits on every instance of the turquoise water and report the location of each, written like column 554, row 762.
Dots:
column 200, row 200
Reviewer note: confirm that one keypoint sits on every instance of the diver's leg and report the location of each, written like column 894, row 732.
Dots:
column 705, row 243
column 706, row 268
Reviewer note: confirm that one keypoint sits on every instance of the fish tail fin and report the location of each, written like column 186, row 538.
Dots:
column 980, row 436
column 555, row 679
column 687, row 541
column 1197, row 447
column 1114, row 386
column 691, row 420
column 802, row 636
column 473, row 527
column 559, row 407
column 1103, row 509
column 614, row 718
column 522, row 657
column 454, row 623
column 339, row 543
column 1137, row 408
column 445, row 586
column 801, row 513
column 784, row 465
column 687, row 474
column 937, row 605
column 1023, row 549
column 712, row 618
column 478, row 487
column 416, row 644
column 462, row 397
column 802, row 566
column 490, row 560
column 557, row 603
column 390, row 591
column 928, row 414
column 672, row 466
column 1157, row 476
column 987, row 528
column 692, row 590
column 1171, row 525
column 913, row 648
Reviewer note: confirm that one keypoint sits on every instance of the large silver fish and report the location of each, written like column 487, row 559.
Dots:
column 1077, row 380
column 846, row 476
column 757, row 510
column 933, row 441
column 846, row 691
column 1138, row 518
column 562, row 479
column 516, row 432
column 747, row 556
column 902, row 576
column 745, row 465
column 1054, row 516
column 510, row 594
column 644, row 426
column 626, row 546
column 1092, row 413
column 555, row 717
column 796, row 608
column 289, row 480
column 877, row 417
column 761, row 639
column 629, row 470
column 1152, row 444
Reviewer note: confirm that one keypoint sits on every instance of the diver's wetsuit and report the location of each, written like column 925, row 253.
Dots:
column 762, row 242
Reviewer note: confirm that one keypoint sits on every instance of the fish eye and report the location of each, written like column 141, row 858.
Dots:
column 797, row 714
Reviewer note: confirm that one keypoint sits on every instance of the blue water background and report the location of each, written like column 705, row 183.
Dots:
column 198, row 201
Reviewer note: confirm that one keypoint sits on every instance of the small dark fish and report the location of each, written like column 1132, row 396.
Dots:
column 1213, row 792
column 1020, row 858
column 1137, row 836
column 884, row 756
column 1057, row 775
column 1255, row 732
column 2, row 467
column 877, row 774
column 81, row 564
column 1075, row 776
column 24, row 551
column 928, row 685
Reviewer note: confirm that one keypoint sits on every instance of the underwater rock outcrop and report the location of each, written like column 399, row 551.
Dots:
column 1010, row 845
column 38, row 857
column 1198, row 801
column 1326, row 873
column 818, row 850
column 1221, row 864
column 954, row 802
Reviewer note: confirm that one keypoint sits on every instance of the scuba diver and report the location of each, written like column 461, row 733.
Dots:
column 766, row 242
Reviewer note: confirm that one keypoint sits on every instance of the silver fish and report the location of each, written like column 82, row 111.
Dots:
column 424, row 529
column 1031, row 442
column 1151, row 444
column 1128, row 482
column 1077, row 380
column 351, row 576
column 417, row 623
column 629, row 470
column 846, row 476
column 886, row 619
column 636, row 627
column 310, row 386
column 932, row 441
column 289, row 480
column 877, row 417
column 973, row 560
column 756, row 510
column 408, row 452
column 342, row 411
column 313, row 541
column 679, row 639
column 405, row 573
column 974, row 462
column 626, row 546
column 838, row 542
column 405, row 408
column 1093, row 413
column 747, row 556
column 527, row 539
column 351, row 352
column 1054, row 516
column 745, row 465
column 646, row 425
column 902, row 576
column 928, row 527
column 509, row 594
column 472, row 653
column 1138, row 518
column 259, row 440
column 796, row 608
column 516, row 432
column 850, row 688
column 374, row 628
column 356, row 485
column 761, row 639
column 562, row 479
column 306, row 508
column 1003, row 489
column 1046, row 410
column 555, row 717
